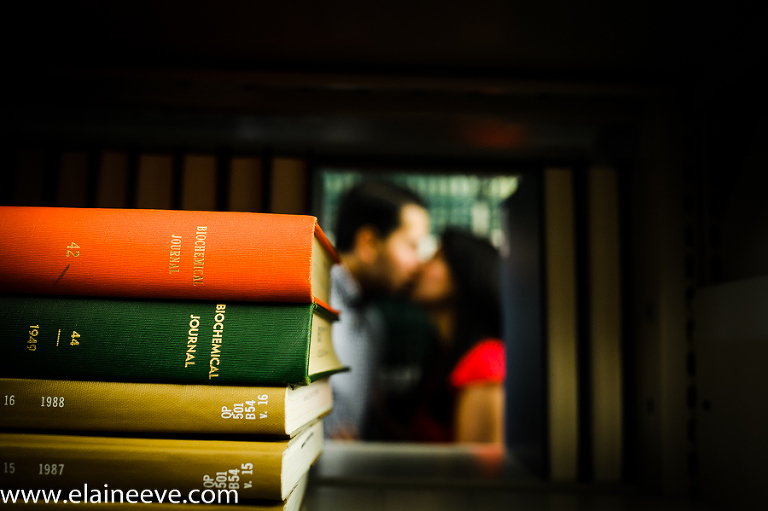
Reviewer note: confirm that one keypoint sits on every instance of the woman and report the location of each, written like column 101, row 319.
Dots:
column 459, row 287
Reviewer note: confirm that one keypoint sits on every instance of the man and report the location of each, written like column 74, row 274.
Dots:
column 379, row 229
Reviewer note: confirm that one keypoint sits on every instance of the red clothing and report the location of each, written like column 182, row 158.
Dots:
column 484, row 363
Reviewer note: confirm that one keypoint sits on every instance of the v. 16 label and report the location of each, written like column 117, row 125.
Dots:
column 246, row 410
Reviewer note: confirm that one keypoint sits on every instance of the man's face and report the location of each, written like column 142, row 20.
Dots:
column 398, row 259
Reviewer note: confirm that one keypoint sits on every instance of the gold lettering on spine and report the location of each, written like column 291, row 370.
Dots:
column 175, row 257
column 216, row 340
column 194, row 326
column 199, row 255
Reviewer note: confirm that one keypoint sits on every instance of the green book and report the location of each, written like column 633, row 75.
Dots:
column 240, row 343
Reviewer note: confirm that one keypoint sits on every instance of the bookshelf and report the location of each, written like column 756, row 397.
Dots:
column 658, row 148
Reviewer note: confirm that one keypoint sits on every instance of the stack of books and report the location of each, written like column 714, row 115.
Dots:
column 165, row 356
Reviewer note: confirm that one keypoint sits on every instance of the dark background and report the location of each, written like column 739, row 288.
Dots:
column 670, row 94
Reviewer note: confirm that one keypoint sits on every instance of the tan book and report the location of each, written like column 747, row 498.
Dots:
column 154, row 182
column 245, row 184
column 198, row 183
column 103, row 468
column 30, row 404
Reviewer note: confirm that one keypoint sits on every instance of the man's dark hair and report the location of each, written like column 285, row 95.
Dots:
column 374, row 203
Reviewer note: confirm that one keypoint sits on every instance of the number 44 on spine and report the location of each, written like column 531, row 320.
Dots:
column 166, row 341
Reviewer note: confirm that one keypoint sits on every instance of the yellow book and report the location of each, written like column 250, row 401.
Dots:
column 31, row 404
column 292, row 503
column 104, row 467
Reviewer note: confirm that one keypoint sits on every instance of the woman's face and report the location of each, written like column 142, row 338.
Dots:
column 434, row 283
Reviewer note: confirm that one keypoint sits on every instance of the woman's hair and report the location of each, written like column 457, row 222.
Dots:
column 474, row 264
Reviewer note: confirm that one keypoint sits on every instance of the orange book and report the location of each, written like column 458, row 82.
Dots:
column 145, row 253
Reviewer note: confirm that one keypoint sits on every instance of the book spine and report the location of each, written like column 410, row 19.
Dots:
column 97, row 464
column 201, row 255
column 29, row 404
column 149, row 341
